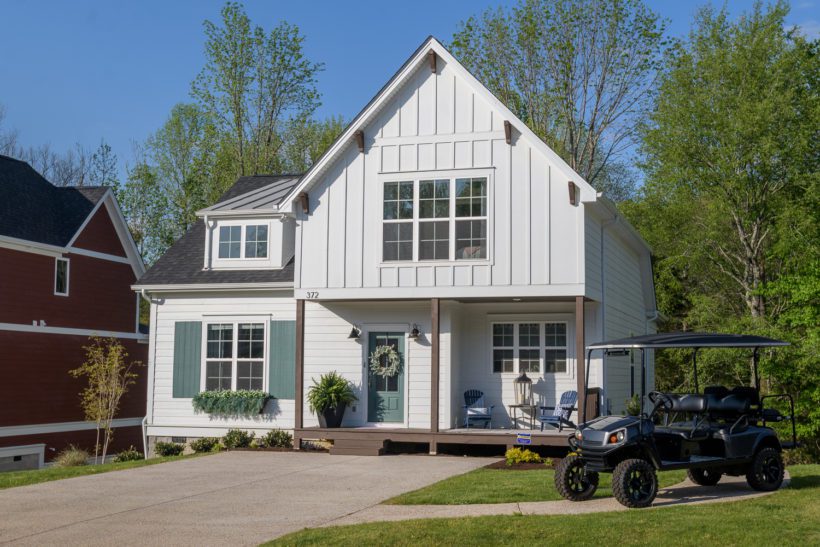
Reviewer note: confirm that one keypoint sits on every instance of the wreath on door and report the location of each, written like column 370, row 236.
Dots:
column 385, row 361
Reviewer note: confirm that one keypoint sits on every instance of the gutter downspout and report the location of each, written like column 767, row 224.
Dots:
column 152, row 359
column 604, row 379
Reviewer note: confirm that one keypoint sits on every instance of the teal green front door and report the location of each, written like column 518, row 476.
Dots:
column 385, row 396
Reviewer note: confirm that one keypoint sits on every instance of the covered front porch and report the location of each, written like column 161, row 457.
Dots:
column 457, row 346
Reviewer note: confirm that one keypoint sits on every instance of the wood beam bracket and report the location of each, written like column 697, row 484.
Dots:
column 508, row 131
column 304, row 201
column 573, row 193
column 360, row 140
column 432, row 58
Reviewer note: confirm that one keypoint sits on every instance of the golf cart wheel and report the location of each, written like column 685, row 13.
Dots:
column 704, row 477
column 634, row 483
column 766, row 470
column 573, row 481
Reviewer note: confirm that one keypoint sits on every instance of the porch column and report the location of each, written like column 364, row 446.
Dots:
column 580, row 354
column 300, row 365
column 435, row 322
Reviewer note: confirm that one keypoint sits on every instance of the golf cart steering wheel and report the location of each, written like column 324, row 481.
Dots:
column 661, row 400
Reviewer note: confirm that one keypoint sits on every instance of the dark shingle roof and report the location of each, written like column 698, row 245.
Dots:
column 33, row 209
column 182, row 263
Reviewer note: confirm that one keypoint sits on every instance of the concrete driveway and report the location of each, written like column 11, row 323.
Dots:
column 230, row 498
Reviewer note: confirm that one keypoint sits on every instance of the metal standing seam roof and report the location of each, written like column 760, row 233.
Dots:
column 269, row 196
column 689, row 340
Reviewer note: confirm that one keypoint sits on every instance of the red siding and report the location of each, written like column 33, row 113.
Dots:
column 122, row 439
column 100, row 295
column 100, row 235
column 36, row 387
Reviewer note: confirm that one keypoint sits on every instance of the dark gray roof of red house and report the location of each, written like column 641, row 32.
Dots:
column 33, row 209
column 182, row 263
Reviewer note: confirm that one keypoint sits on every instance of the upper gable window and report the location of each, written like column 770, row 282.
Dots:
column 435, row 220
column 243, row 242
column 61, row 276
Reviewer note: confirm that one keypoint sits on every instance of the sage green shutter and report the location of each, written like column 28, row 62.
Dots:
column 282, row 370
column 187, row 358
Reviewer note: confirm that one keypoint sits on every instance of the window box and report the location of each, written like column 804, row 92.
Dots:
column 231, row 403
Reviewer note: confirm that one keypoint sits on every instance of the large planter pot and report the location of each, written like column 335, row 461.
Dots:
column 332, row 417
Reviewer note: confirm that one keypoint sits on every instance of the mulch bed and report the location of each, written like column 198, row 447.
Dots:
column 522, row 466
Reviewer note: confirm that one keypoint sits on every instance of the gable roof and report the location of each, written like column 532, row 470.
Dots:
column 182, row 263
column 33, row 209
column 419, row 57
column 255, row 194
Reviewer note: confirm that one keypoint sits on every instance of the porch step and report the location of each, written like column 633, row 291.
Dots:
column 358, row 447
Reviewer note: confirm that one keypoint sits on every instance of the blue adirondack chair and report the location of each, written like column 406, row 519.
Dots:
column 476, row 410
column 558, row 415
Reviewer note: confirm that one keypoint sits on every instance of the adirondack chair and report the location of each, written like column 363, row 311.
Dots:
column 476, row 410
column 558, row 415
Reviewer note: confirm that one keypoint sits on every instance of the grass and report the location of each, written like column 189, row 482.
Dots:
column 12, row 479
column 505, row 486
column 788, row 517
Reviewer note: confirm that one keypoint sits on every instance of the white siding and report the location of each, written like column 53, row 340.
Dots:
column 439, row 122
column 170, row 416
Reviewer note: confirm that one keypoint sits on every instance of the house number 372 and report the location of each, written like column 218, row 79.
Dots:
column 313, row 294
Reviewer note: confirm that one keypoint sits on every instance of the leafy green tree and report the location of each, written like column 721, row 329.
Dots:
column 579, row 73
column 103, row 167
column 307, row 140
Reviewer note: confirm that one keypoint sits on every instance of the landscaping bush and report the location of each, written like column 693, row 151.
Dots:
column 236, row 438
column 521, row 455
column 72, row 456
column 633, row 405
column 168, row 449
column 230, row 403
column 276, row 439
column 129, row 455
column 205, row 444
column 331, row 391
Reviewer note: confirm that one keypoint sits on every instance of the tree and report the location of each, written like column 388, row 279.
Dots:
column 580, row 74
column 146, row 209
column 109, row 378
column 103, row 167
column 254, row 84
column 307, row 140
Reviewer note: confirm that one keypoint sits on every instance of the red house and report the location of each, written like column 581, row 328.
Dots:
column 67, row 262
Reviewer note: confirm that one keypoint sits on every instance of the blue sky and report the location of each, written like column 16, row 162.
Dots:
column 85, row 70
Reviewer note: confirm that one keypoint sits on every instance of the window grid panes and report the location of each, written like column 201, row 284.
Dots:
column 235, row 356
column 256, row 241
column 555, row 347
column 522, row 347
column 503, row 347
column 61, row 277
column 397, row 231
column 397, row 241
column 529, row 347
column 471, row 203
column 230, row 241
column 434, row 240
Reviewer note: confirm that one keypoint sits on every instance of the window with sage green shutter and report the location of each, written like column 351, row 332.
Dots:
column 282, row 361
column 187, row 358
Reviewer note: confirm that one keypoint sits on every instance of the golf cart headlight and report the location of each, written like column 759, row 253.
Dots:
column 579, row 435
column 617, row 436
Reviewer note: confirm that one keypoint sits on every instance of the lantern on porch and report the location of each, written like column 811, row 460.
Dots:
column 523, row 390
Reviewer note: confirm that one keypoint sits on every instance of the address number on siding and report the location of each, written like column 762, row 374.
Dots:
column 313, row 294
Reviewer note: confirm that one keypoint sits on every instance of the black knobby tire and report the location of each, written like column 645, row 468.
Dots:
column 766, row 470
column 573, row 481
column 704, row 477
column 634, row 483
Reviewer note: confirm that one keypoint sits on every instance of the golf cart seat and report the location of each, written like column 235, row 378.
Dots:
column 688, row 402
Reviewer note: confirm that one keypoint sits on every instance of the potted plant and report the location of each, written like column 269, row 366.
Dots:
column 329, row 397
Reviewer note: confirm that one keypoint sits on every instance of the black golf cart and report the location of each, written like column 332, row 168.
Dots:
column 720, row 431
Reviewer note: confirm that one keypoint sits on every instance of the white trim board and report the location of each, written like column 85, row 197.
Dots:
column 62, row 427
column 16, row 327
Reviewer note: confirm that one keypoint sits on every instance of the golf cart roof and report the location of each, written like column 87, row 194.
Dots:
column 689, row 340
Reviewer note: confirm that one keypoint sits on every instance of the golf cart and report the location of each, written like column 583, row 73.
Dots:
column 720, row 431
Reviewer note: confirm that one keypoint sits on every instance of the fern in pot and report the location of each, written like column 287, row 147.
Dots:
column 328, row 397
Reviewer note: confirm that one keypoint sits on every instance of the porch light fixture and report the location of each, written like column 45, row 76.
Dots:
column 523, row 390
column 414, row 334
column 355, row 333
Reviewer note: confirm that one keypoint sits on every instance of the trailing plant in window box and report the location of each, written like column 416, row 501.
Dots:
column 230, row 403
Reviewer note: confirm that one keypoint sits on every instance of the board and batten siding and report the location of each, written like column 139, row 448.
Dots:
column 170, row 415
column 438, row 125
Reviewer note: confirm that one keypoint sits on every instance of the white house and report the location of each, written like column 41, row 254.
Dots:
column 436, row 210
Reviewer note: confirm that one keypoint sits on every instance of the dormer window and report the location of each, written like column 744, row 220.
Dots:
column 243, row 242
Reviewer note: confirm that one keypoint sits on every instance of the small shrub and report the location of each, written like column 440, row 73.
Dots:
column 72, row 456
column 168, row 449
column 236, row 438
column 548, row 462
column 205, row 444
column 129, row 455
column 276, row 439
column 633, row 405
column 521, row 455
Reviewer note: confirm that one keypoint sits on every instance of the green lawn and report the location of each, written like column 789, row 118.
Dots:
column 11, row 479
column 788, row 517
column 505, row 486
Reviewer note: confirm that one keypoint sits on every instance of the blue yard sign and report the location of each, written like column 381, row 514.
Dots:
column 524, row 438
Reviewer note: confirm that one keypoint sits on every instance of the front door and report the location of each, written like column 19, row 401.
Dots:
column 385, row 396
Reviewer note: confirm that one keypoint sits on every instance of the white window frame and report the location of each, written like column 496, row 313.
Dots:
column 517, row 322
column 234, row 359
column 243, row 231
column 416, row 178
column 67, row 261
